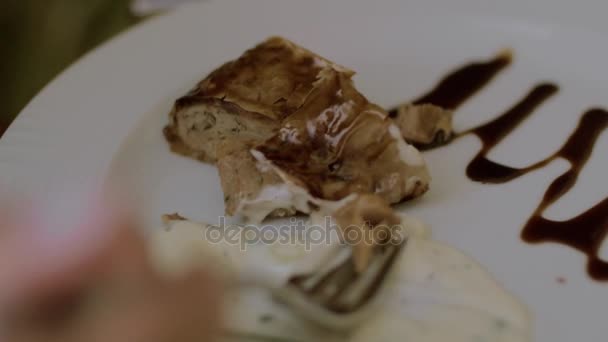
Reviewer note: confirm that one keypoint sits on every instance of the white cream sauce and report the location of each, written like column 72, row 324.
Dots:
column 436, row 293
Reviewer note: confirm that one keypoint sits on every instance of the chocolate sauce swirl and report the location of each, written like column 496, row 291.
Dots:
column 585, row 232
column 460, row 85
column 481, row 169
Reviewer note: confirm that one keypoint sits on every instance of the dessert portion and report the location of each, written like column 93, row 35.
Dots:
column 424, row 125
column 338, row 143
column 290, row 133
column 245, row 100
column 282, row 114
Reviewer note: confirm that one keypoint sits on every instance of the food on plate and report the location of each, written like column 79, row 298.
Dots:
column 338, row 143
column 435, row 293
column 424, row 125
column 372, row 217
column 168, row 218
column 290, row 133
column 181, row 248
column 438, row 294
column 310, row 125
column 242, row 180
column 245, row 100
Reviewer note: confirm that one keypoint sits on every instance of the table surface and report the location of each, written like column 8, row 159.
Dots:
column 39, row 39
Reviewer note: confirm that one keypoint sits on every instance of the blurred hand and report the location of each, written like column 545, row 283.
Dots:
column 94, row 283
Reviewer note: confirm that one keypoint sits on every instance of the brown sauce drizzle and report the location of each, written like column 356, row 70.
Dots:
column 457, row 87
column 585, row 232
column 481, row 169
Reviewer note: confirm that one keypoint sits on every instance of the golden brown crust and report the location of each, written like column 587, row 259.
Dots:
column 272, row 79
column 249, row 96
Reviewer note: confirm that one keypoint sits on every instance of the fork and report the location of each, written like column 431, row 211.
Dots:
column 336, row 296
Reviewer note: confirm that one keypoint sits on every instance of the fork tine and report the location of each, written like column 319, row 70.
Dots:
column 392, row 253
column 347, row 307
column 334, row 284
column 336, row 278
column 308, row 281
column 340, row 289
column 352, row 293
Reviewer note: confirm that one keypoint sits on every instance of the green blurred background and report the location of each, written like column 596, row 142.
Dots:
column 40, row 38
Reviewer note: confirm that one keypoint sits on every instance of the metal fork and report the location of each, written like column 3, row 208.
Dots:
column 336, row 297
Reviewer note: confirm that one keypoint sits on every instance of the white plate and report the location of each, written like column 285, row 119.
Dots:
column 104, row 117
